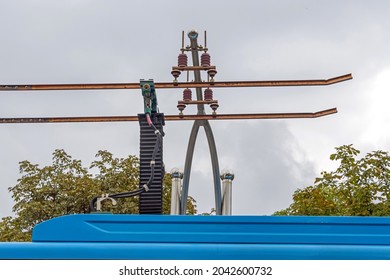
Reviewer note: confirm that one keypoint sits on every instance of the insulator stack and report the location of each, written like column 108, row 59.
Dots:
column 182, row 60
column 205, row 59
column 208, row 94
column 187, row 95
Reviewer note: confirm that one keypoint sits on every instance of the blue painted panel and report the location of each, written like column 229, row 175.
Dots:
column 189, row 251
column 215, row 229
column 99, row 236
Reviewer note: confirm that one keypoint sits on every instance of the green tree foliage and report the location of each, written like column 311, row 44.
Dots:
column 66, row 187
column 358, row 187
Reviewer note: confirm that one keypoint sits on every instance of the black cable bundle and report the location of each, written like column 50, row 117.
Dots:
column 145, row 187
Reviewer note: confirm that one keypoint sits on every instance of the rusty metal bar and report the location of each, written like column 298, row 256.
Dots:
column 252, row 116
column 70, row 119
column 167, row 85
column 191, row 102
column 172, row 117
column 191, row 68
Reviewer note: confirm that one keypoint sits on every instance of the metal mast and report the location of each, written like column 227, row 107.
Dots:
column 193, row 35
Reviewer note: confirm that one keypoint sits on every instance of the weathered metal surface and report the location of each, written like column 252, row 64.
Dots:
column 191, row 68
column 172, row 117
column 191, row 102
column 216, row 84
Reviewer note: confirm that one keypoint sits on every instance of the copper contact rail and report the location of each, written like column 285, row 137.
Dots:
column 171, row 117
column 165, row 85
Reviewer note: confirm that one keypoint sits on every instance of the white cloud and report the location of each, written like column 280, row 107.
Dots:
column 375, row 129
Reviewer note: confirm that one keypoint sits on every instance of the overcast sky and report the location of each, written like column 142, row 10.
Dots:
column 124, row 41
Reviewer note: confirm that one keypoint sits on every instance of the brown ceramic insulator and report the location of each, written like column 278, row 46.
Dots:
column 205, row 60
column 182, row 60
column 181, row 107
column 175, row 73
column 212, row 72
column 187, row 95
column 208, row 94
column 214, row 107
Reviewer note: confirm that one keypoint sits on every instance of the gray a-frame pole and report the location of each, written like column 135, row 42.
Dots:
column 193, row 35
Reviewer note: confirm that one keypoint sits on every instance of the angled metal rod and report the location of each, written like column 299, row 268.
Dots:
column 215, row 167
column 167, row 85
column 187, row 166
column 171, row 117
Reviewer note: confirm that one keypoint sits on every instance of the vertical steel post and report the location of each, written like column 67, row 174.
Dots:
column 193, row 35
column 177, row 175
column 227, row 177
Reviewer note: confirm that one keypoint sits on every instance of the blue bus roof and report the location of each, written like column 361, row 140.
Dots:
column 214, row 229
column 107, row 236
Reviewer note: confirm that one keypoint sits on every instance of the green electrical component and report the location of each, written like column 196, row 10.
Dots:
column 149, row 95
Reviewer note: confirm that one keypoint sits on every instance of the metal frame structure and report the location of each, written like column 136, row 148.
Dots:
column 201, row 119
